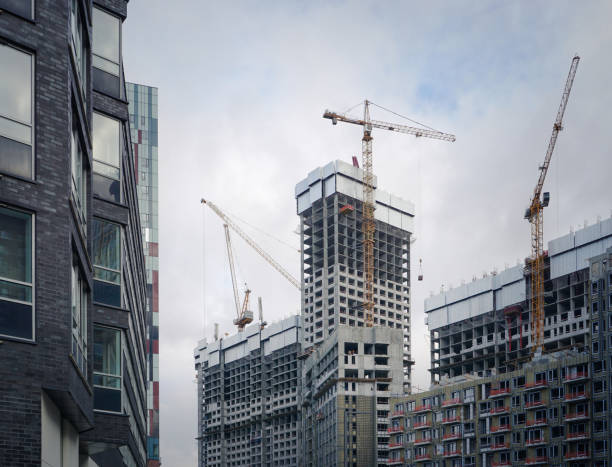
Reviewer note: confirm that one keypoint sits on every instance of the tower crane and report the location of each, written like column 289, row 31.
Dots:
column 227, row 221
column 243, row 315
column 368, row 223
column 534, row 214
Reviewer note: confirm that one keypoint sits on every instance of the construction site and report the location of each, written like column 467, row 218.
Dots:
column 332, row 386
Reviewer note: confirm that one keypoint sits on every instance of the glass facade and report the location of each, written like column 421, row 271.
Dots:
column 143, row 122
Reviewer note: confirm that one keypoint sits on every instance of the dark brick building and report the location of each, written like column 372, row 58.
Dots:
column 72, row 274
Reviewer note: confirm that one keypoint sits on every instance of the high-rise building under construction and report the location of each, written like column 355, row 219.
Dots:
column 330, row 209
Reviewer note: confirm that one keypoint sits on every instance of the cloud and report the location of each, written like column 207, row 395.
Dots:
column 242, row 87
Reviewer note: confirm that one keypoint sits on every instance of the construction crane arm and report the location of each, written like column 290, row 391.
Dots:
column 336, row 117
column 230, row 258
column 252, row 243
column 557, row 127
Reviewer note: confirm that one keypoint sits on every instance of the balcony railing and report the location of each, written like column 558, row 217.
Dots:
column 571, row 396
column 395, row 445
column 454, row 419
column 576, row 376
column 422, row 408
column 456, row 452
column 420, row 425
column 422, row 441
column 534, row 441
column 577, row 435
column 536, row 460
column 501, row 464
column 496, row 429
column 541, row 383
column 499, row 392
column 576, row 416
column 533, row 404
column 397, row 413
column 395, row 429
column 451, row 402
column 497, row 410
column 422, row 457
column 577, row 455
column 398, row 460
column 536, row 422
column 451, row 436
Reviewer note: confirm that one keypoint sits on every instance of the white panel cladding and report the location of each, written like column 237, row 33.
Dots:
column 301, row 187
column 328, row 170
column 588, row 234
column 236, row 352
column 382, row 197
column 435, row 301
column 606, row 227
column 584, row 253
column 563, row 264
column 348, row 187
column 213, row 358
column 459, row 311
column 481, row 304
column 329, row 186
column 407, row 223
column 395, row 218
column 50, row 433
column 437, row 318
column 316, row 191
column 510, row 294
column 303, row 202
column 561, row 244
column 70, row 445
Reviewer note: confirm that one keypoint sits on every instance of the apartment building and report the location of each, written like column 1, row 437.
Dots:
column 330, row 209
column 483, row 327
column 347, row 385
column 249, row 396
column 72, row 273
column 549, row 412
column 143, row 113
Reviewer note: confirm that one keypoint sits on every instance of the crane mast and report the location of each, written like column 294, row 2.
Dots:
column 287, row 275
column 368, row 206
column 243, row 315
column 534, row 215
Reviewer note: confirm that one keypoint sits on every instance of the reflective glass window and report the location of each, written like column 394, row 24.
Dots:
column 16, row 112
column 106, row 41
column 107, row 157
column 107, row 262
column 79, row 45
column 23, row 8
column 79, row 178
column 79, row 319
column 107, row 369
column 16, row 277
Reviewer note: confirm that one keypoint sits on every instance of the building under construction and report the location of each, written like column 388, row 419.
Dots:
column 330, row 209
column 484, row 327
column 249, row 396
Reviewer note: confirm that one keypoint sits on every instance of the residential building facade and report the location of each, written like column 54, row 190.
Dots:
column 72, row 273
column 348, row 382
column 143, row 110
column 483, row 327
column 330, row 209
column 545, row 413
column 249, row 396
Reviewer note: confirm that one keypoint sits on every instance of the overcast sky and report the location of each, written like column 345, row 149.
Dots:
column 243, row 85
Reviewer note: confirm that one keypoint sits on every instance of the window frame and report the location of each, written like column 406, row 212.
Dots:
column 79, row 332
column 121, row 370
column 79, row 201
column 33, row 282
column 95, row 161
column 32, row 17
column 100, row 57
column 32, row 124
column 81, row 71
column 119, row 271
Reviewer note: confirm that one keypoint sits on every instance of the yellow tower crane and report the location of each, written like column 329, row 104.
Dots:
column 368, row 223
column 534, row 215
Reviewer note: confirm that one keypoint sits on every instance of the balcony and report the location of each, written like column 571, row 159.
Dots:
column 577, row 436
column 570, row 417
column 501, row 464
column 421, row 425
column 397, row 414
column 395, row 429
column 536, row 385
column 449, row 436
column 540, row 460
column 396, row 461
column 422, row 408
column 577, row 396
column 536, row 422
column 383, row 434
column 535, row 442
column 451, row 402
column 534, row 404
column 576, row 455
column 500, row 428
column 395, row 445
column 419, row 442
column 498, row 392
column 576, row 376
column 455, row 453
column 495, row 447
column 448, row 420
column 499, row 410
column 422, row 457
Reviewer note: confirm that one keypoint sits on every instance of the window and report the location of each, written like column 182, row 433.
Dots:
column 16, row 278
column 79, row 179
column 16, row 112
column 79, row 46
column 106, row 51
column 107, row 369
column 107, row 157
column 79, row 319
column 23, row 8
column 107, row 262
